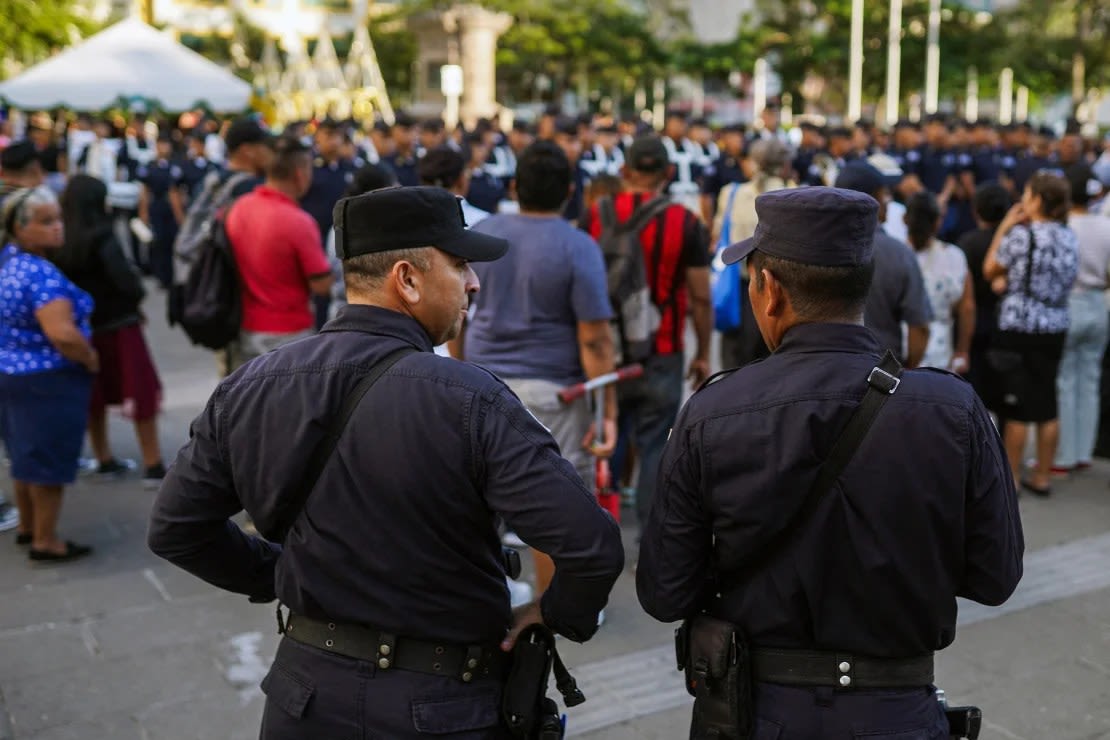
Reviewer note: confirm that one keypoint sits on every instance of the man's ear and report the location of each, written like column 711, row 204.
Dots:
column 776, row 296
column 407, row 281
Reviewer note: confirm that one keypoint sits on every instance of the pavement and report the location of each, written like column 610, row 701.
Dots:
column 123, row 645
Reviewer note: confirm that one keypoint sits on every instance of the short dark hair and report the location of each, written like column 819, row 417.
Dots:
column 1055, row 195
column 1079, row 179
column 441, row 167
column 992, row 202
column 290, row 155
column 922, row 214
column 817, row 293
column 371, row 177
column 543, row 177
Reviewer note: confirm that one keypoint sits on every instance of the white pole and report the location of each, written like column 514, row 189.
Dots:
column 759, row 88
column 658, row 104
column 855, row 64
column 1022, row 106
column 972, row 105
column 1006, row 97
column 893, row 61
column 932, row 59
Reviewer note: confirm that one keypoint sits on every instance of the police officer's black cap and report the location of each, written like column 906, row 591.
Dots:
column 566, row 125
column 676, row 113
column 824, row 227
column 329, row 124
column 609, row 128
column 403, row 120
column 905, row 123
column 409, row 218
column 863, row 177
column 937, row 118
column 699, row 122
column 840, row 132
column 17, row 156
column 647, row 154
column 382, row 127
column 247, row 131
column 734, row 128
column 432, row 125
column 809, row 126
column 523, row 127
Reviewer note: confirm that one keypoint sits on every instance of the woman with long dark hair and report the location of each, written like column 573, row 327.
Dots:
column 948, row 285
column 1034, row 260
column 92, row 258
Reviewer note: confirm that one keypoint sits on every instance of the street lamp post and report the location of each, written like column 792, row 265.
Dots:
column 971, row 107
column 893, row 61
column 1021, row 108
column 932, row 59
column 1006, row 97
column 855, row 64
column 759, row 87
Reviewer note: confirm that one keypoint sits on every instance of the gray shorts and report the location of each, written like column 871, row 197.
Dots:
column 252, row 344
column 568, row 423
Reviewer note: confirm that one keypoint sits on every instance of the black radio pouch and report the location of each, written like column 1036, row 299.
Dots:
column 715, row 658
column 525, row 708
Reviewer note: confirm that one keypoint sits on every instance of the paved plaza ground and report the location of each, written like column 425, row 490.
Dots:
column 123, row 645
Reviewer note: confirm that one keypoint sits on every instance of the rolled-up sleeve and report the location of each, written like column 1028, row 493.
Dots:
column 994, row 544
column 190, row 522
column 543, row 499
column 672, row 575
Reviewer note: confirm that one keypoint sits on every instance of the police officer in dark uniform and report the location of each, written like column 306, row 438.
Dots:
column 195, row 167
column 392, row 569
column 842, row 593
column 402, row 160
column 332, row 174
column 727, row 169
column 162, row 206
column 813, row 140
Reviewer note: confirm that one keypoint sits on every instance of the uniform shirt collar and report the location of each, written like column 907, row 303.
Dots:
column 377, row 320
column 824, row 337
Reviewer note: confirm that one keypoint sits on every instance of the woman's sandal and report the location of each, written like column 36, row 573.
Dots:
column 73, row 551
column 23, row 538
column 1041, row 492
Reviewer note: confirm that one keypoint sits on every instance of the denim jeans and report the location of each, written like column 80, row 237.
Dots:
column 648, row 406
column 1077, row 383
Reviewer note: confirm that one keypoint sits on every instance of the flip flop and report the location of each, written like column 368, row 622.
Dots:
column 73, row 551
column 1041, row 492
column 23, row 538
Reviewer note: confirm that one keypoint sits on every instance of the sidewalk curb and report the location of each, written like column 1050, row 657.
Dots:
column 6, row 731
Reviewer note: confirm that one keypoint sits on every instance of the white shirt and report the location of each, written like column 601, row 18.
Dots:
column 944, row 268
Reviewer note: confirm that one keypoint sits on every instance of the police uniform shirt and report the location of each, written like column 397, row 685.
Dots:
column 925, row 511
column 404, row 168
column 986, row 164
column 160, row 177
column 908, row 160
column 806, row 172
column 725, row 171
column 572, row 211
column 193, row 172
column 399, row 534
column 486, row 191
column 934, row 168
column 329, row 183
column 1026, row 167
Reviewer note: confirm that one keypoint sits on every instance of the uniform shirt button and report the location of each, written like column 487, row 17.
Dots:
column 383, row 649
column 383, row 663
column 845, row 681
column 845, row 667
column 472, row 663
column 467, row 676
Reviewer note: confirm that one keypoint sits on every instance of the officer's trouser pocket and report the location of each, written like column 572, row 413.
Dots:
column 474, row 715
column 311, row 704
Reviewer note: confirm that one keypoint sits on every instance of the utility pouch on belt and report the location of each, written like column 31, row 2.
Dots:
column 527, row 711
column 715, row 658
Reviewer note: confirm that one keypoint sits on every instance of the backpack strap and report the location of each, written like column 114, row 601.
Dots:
column 644, row 213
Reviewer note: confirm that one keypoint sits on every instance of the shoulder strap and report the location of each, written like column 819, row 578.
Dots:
column 606, row 214
column 326, row 446
column 644, row 213
column 882, row 382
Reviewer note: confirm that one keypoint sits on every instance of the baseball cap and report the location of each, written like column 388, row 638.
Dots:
column 869, row 175
column 17, row 156
column 407, row 218
column 825, row 227
column 647, row 154
column 247, row 131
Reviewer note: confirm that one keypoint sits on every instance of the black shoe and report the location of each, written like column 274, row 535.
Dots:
column 114, row 468
column 23, row 538
column 73, row 552
column 153, row 476
column 1039, row 492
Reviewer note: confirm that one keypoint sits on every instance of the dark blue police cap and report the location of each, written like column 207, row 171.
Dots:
column 826, row 227
column 407, row 218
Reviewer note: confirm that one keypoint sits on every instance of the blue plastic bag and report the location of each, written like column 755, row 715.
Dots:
column 726, row 285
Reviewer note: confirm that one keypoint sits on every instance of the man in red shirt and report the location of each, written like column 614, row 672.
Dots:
column 676, row 258
column 279, row 254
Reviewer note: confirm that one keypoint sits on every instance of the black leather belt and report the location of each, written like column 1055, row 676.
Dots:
column 388, row 651
column 840, row 670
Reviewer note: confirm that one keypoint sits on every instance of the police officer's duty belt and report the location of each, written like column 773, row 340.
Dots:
column 840, row 670
column 389, row 652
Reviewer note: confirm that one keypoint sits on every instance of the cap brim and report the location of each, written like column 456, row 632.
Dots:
column 736, row 252
column 475, row 247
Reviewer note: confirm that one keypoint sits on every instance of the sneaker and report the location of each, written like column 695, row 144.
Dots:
column 115, row 468
column 152, row 477
column 512, row 539
column 9, row 516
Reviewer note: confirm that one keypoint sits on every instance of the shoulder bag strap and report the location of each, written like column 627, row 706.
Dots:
column 725, row 238
column 326, row 446
column 644, row 213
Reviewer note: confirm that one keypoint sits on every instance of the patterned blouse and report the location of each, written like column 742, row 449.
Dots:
column 1043, row 307
column 27, row 283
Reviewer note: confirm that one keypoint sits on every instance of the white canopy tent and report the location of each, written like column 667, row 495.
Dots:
column 126, row 61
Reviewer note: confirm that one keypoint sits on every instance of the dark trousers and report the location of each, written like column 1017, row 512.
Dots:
column 648, row 406
column 312, row 693
column 792, row 713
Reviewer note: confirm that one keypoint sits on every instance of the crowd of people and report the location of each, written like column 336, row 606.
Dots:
column 991, row 262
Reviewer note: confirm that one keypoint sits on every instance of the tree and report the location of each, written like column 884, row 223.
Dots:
column 33, row 29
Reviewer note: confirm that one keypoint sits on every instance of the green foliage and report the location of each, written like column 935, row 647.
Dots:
column 30, row 30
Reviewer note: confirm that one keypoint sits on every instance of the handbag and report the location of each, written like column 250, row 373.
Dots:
column 726, row 287
column 1003, row 360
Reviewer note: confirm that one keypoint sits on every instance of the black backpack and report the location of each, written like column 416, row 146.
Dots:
column 636, row 316
column 211, row 306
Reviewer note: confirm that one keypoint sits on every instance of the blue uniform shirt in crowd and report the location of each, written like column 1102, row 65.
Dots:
column 724, row 171
column 404, row 168
column 160, row 177
column 925, row 512
column 27, row 283
column 986, row 164
column 486, row 191
column 400, row 532
column 329, row 183
column 934, row 167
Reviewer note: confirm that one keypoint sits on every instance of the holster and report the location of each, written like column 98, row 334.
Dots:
column 964, row 722
column 715, row 658
column 525, row 708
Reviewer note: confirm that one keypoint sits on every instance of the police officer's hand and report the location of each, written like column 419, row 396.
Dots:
column 608, row 445
column 698, row 372
column 523, row 616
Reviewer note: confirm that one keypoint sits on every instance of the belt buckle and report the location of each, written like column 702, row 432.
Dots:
column 845, row 671
column 886, row 382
